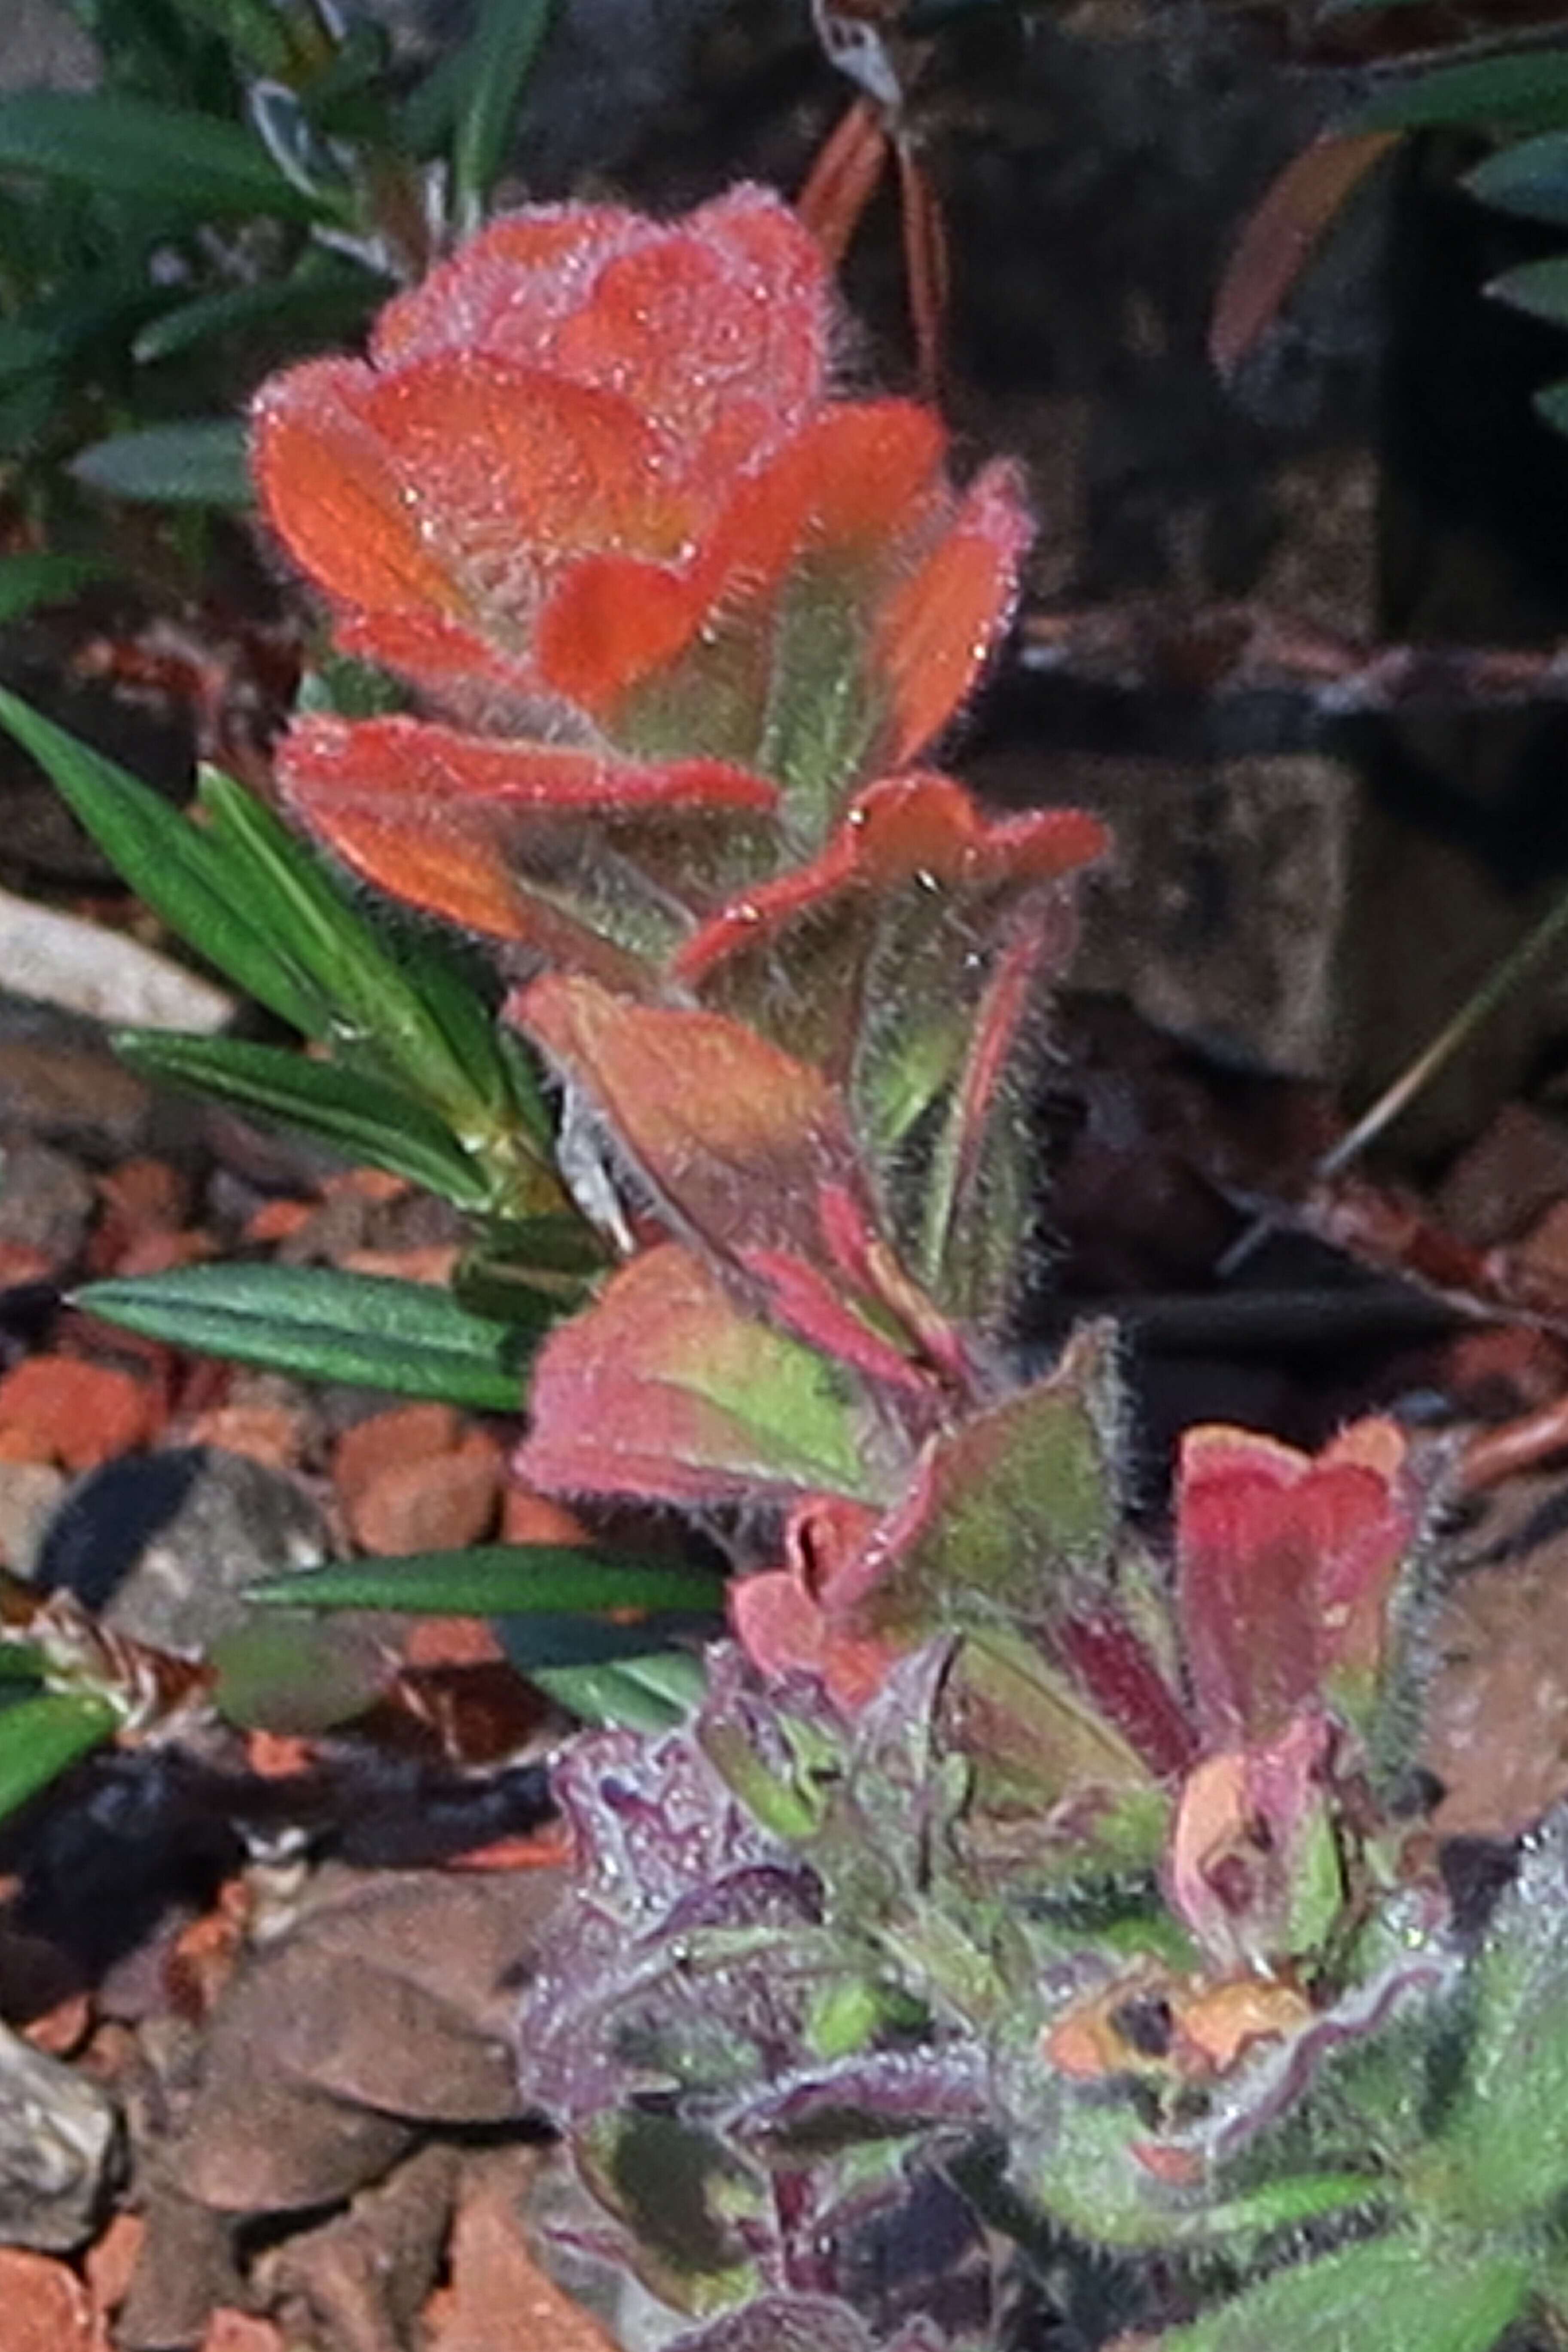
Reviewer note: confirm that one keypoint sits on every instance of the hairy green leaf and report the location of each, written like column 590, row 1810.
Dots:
column 1392, row 2295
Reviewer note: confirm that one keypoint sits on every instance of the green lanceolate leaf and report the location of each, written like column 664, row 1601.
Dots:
column 173, row 865
column 1553, row 404
column 369, row 1123
column 362, row 1330
column 1392, row 2295
column 493, row 67
column 197, row 463
column 181, row 161
column 1525, row 88
column 498, row 1581
column 1540, row 287
column 400, row 997
column 40, row 1738
column 1530, row 178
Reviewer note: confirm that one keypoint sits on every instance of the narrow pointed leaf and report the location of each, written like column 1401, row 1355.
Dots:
column 41, row 1737
column 493, row 67
column 362, row 1329
column 1282, row 233
column 1538, row 287
column 497, row 1580
column 400, row 993
column 310, row 307
column 200, row 462
column 1530, row 87
column 173, row 865
column 175, row 159
column 1530, row 178
column 369, row 1123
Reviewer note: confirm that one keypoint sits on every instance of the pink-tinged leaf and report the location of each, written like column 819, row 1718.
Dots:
column 732, row 1137
column 743, row 1151
column 1282, row 234
column 667, row 1391
column 937, row 628
column 449, row 822
column 1040, row 1750
column 1110, row 1662
column 1287, row 1565
column 976, row 1203
column 881, row 959
column 811, row 1306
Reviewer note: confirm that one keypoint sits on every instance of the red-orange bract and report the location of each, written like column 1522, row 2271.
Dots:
column 590, row 493
column 1286, row 1567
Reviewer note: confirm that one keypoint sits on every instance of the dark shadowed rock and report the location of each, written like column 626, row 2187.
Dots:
column 165, row 1543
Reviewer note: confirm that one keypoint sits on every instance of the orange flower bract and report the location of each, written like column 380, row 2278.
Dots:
column 590, row 493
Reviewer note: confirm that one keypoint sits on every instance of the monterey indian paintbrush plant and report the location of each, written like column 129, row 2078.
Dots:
column 1019, row 1930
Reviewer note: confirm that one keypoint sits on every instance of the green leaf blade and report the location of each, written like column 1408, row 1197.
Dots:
column 170, row 864
column 41, row 1737
column 200, row 462
column 370, row 1124
column 1527, row 89
column 403, row 1339
column 498, row 1581
column 172, row 157
column 1529, row 179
